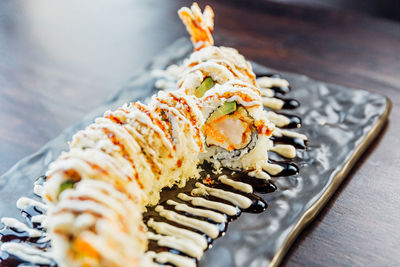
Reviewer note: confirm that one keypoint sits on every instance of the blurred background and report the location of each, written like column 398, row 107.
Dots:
column 389, row 9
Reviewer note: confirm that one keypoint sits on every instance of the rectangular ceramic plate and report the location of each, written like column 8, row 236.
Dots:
column 339, row 122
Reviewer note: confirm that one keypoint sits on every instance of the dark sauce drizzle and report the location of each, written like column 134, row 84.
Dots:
column 288, row 169
column 211, row 180
column 294, row 141
column 289, row 103
column 295, row 121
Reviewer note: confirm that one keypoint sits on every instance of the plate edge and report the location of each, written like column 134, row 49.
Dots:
column 311, row 213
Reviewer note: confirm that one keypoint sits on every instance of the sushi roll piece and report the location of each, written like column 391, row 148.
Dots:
column 236, row 129
column 142, row 143
column 95, row 224
column 117, row 166
column 221, row 64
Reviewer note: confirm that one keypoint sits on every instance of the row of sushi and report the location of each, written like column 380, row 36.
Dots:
column 97, row 191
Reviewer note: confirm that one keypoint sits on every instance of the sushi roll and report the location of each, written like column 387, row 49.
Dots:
column 117, row 166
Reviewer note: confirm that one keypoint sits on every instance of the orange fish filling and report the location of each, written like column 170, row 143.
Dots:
column 84, row 249
column 231, row 131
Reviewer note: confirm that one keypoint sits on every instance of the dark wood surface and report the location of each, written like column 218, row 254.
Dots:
column 59, row 60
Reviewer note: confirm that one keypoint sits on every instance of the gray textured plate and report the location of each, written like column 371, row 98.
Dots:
column 340, row 123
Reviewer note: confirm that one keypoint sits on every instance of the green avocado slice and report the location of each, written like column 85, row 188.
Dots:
column 225, row 109
column 66, row 185
column 206, row 85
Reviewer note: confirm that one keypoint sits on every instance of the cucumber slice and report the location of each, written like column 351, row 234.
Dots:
column 225, row 109
column 206, row 85
column 66, row 185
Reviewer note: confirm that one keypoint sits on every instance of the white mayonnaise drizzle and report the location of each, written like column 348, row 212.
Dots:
column 282, row 132
column 259, row 174
column 237, row 185
column 269, row 82
column 177, row 260
column 267, row 93
column 215, row 216
column 236, row 199
column 24, row 202
column 180, row 244
column 273, row 169
column 38, row 190
column 278, row 119
column 38, row 218
column 27, row 252
column 14, row 223
column 287, row 151
column 209, row 229
column 167, row 229
column 273, row 103
column 201, row 202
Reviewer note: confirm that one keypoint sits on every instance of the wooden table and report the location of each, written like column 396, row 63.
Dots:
column 58, row 61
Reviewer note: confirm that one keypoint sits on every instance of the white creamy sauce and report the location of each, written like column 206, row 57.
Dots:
column 237, row 185
column 167, row 229
column 267, row 92
column 215, row 216
column 14, row 223
column 205, row 227
column 259, row 174
column 236, row 199
column 201, row 202
column 177, row 260
column 38, row 190
column 27, row 252
column 38, row 218
column 269, row 82
column 180, row 244
column 278, row 119
column 25, row 202
column 273, row 169
column 273, row 103
column 288, row 133
column 287, row 151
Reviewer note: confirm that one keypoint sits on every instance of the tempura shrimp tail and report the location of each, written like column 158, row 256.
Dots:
column 199, row 25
